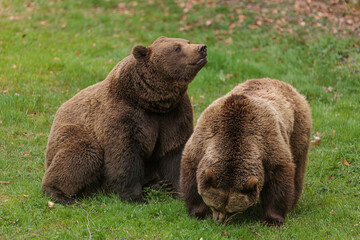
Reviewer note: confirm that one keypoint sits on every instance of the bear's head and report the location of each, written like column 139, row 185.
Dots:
column 230, row 174
column 228, row 190
column 172, row 58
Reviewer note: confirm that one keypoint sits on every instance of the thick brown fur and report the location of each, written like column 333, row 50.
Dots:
column 120, row 133
column 252, row 143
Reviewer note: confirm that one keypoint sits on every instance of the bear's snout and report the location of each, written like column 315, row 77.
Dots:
column 202, row 50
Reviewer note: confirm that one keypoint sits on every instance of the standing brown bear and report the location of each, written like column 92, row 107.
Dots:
column 252, row 142
column 120, row 132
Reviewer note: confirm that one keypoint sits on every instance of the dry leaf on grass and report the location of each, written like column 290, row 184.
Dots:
column 346, row 162
column 316, row 140
column 229, row 40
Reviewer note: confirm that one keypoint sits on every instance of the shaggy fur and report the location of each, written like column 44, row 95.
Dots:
column 120, row 133
column 251, row 143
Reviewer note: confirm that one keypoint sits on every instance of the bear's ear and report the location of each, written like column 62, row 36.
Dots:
column 140, row 52
column 251, row 184
column 210, row 177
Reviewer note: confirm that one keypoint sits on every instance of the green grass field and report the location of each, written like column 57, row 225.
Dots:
column 49, row 50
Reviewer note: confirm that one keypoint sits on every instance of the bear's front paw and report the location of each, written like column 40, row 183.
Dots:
column 133, row 194
column 200, row 212
column 274, row 220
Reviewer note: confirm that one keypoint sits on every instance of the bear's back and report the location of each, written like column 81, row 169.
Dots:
column 280, row 96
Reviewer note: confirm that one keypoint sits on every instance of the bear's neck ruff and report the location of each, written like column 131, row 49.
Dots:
column 147, row 88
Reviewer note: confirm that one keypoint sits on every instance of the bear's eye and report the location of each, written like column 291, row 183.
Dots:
column 178, row 49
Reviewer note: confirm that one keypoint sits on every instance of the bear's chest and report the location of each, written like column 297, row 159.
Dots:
column 146, row 135
column 160, row 135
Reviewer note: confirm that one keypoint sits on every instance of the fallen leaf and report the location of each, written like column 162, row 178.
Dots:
column 56, row 58
column 63, row 26
column 332, row 211
column 30, row 4
column 121, row 5
column 25, row 196
column 316, row 140
column 13, row 18
column 14, row 66
column 328, row 89
column 346, row 162
column 233, row 25
column 229, row 40
column 50, row 204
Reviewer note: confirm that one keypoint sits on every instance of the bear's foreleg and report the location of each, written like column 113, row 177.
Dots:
column 277, row 194
column 169, row 168
column 194, row 202
column 188, row 183
column 124, row 170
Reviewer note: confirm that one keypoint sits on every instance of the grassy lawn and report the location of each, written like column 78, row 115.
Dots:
column 49, row 50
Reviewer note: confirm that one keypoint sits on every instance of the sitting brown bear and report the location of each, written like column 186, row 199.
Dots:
column 120, row 132
column 252, row 142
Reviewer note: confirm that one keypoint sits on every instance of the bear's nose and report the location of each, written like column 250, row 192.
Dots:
column 202, row 50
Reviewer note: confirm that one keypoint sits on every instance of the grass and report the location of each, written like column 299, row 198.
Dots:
column 49, row 50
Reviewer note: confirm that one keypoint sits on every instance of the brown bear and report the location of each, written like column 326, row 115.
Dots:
column 123, row 131
column 250, row 143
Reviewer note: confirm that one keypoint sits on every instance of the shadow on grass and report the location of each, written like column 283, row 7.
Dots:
column 250, row 216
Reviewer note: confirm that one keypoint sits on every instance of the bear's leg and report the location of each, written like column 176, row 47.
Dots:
column 300, row 140
column 75, row 165
column 124, row 171
column 188, row 184
column 277, row 194
column 169, row 168
column 299, row 176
